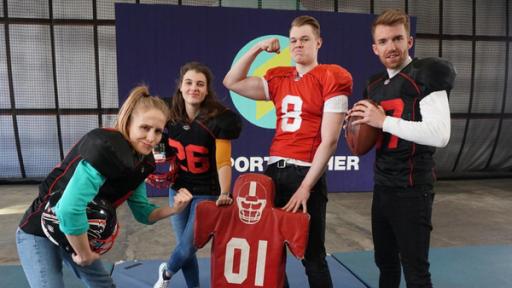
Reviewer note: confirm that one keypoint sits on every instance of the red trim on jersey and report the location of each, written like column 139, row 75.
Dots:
column 205, row 128
column 50, row 191
column 375, row 82
column 122, row 199
column 434, row 175
column 411, row 163
column 411, row 80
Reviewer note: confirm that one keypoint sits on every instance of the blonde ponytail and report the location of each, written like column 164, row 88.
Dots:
column 139, row 98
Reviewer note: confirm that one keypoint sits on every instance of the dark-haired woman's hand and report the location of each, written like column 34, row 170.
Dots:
column 224, row 199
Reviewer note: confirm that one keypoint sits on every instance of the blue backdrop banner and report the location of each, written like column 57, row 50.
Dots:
column 153, row 41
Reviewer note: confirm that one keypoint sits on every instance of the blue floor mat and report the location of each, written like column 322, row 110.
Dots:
column 144, row 274
column 458, row 267
column 13, row 276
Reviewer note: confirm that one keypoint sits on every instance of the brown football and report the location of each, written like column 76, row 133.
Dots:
column 360, row 137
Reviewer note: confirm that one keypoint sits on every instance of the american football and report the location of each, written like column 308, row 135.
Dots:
column 360, row 137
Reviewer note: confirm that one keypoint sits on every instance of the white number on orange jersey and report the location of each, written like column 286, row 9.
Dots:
column 291, row 107
column 243, row 246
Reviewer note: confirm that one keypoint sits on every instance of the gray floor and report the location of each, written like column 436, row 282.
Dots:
column 471, row 212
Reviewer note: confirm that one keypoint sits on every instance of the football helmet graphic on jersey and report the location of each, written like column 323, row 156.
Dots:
column 249, row 237
column 251, row 200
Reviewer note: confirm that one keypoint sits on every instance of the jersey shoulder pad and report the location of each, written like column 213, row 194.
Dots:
column 226, row 125
column 108, row 152
column 283, row 71
column 434, row 74
column 334, row 79
column 336, row 71
column 374, row 80
column 376, row 77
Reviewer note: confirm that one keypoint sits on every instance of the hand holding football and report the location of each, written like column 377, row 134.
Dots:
column 360, row 137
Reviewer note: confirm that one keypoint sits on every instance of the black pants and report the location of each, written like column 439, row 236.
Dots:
column 287, row 180
column 401, row 226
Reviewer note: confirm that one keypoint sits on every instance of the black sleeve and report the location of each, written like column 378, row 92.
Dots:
column 108, row 152
column 226, row 125
column 434, row 74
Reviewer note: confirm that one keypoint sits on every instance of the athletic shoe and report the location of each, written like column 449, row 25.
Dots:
column 163, row 280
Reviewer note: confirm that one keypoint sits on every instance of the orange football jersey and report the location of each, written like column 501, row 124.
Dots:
column 299, row 103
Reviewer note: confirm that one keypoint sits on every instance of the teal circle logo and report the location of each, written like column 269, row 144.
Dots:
column 261, row 113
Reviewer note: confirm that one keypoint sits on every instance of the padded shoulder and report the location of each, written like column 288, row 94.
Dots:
column 226, row 125
column 108, row 152
column 372, row 81
column 434, row 74
column 376, row 78
column 337, row 72
column 282, row 71
column 333, row 69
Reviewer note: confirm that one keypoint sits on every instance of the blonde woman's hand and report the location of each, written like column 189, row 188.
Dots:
column 181, row 199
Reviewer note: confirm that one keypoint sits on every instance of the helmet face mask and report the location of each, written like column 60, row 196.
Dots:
column 165, row 173
column 251, row 202
column 102, row 246
column 102, row 232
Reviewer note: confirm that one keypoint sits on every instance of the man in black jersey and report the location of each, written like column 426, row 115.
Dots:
column 414, row 116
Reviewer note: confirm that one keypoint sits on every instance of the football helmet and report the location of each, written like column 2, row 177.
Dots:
column 165, row 173
column 102, row 232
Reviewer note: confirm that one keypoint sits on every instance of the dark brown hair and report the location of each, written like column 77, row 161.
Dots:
column 210, row 106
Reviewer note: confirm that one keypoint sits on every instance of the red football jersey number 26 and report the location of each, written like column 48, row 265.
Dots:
column 242, row 245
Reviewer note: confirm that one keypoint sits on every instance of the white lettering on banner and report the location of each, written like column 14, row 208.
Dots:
column 343, row 163
column 243, row 246
column 256, row 164
column 249, row 164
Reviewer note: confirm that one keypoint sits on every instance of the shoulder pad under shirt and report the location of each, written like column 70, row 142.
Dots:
column 433, row 74
column 226, row 125
column 108, row 152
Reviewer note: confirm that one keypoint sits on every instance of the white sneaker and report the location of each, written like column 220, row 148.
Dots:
column 163, row 281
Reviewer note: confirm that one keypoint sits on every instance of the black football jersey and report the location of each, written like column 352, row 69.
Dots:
column 193, row 144
column 109, row 153
column 401, row 163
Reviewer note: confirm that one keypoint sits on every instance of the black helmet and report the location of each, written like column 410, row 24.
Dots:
column 103, row 226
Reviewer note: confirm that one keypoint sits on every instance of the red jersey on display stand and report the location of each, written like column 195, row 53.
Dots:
column 249, row 236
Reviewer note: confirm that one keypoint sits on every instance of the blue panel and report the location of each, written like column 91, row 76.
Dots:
column 153, row 41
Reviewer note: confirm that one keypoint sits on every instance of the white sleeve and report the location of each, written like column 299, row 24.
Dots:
column 433, row 130
column 265, row 88
column 336, row 104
